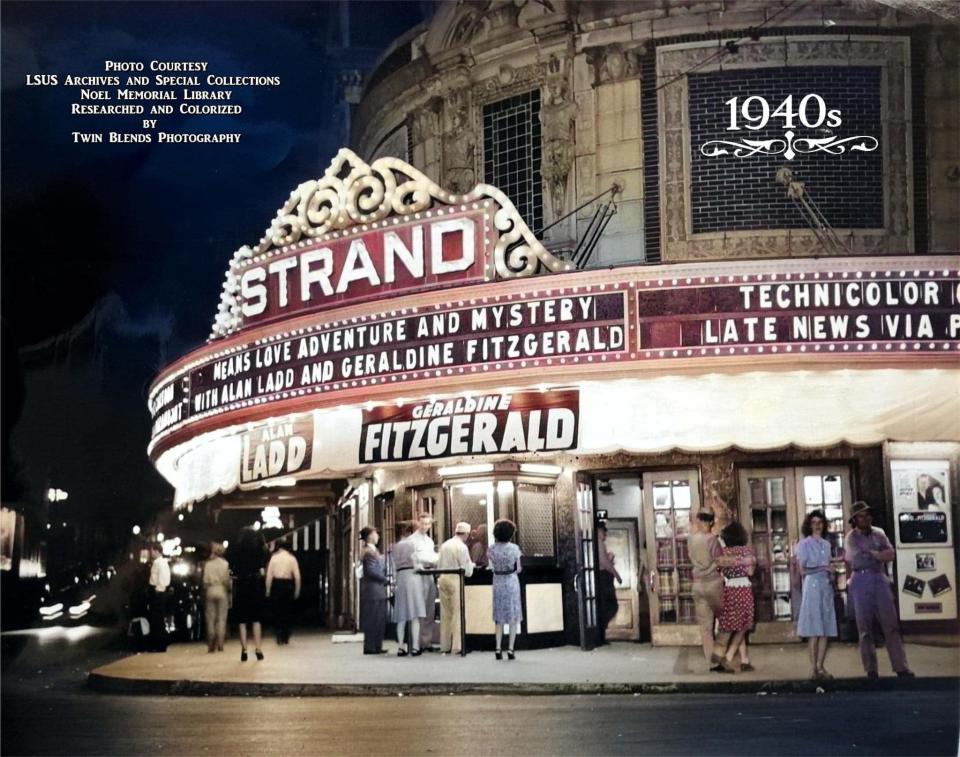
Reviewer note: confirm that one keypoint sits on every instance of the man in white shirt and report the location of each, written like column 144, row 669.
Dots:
column 157, row 599
column 283, row 588
column 454, row 555
column 426, row 558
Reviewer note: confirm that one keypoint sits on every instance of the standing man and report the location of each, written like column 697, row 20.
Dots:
column 157, row 599
column 866, row 550
column 426, row 557
column 283, row 587
column 454, row 555
column 707, row 581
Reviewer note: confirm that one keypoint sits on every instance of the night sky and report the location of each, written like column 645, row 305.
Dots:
column 155, row 223
column 151, row 226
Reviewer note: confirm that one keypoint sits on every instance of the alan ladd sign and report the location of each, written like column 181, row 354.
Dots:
column 489, row 424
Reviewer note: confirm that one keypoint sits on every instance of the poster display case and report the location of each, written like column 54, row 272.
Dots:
column 923, row 536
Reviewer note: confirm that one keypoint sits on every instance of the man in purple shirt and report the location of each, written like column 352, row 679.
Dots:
column 866, row 550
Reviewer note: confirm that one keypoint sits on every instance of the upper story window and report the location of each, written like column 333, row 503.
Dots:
column 512, row 151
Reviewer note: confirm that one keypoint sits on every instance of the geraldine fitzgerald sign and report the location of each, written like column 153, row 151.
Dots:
column 487, row 424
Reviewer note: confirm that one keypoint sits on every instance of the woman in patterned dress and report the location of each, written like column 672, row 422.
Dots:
column 818, row 618
column 736, row 563
column 503, row 558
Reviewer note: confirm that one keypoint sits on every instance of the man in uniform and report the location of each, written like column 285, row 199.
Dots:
column 866, row 550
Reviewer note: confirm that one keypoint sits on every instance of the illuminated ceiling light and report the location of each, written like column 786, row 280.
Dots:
column 180, row 517
column 160, row 537
column 136, row 530
column 547, row 470
column 462, row 470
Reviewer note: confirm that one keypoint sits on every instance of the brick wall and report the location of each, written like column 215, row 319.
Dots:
column 738, row 194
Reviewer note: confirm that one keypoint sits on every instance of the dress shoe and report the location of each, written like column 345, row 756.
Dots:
column 243, row 656
column 259, row 654
column 906, row 674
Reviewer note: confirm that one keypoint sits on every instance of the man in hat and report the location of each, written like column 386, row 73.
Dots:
column 866, row 550
column 454, row 555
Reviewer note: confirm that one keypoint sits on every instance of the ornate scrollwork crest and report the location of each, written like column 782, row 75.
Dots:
column 352, row 193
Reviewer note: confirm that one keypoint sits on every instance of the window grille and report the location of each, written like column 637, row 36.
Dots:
column 512, row 153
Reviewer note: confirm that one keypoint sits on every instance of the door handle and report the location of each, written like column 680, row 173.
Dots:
column 652, row 579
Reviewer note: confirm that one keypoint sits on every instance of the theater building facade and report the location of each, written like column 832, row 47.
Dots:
column 604, row 262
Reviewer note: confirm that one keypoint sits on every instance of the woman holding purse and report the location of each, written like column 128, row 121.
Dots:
column 818, row 618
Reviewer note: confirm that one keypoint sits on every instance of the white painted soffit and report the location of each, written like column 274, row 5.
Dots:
column 758, row 410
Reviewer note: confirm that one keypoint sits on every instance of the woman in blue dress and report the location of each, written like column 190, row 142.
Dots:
column 817, row 620
column 503, row 558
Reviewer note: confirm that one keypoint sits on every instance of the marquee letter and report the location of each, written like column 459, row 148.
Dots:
column 254, row 293
column 393, row 247
column 465, row 227
column 352, row 271
column 320, row 275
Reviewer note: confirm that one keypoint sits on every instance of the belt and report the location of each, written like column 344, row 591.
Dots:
column 407, row 568
column 740, row 582
column 504, row 572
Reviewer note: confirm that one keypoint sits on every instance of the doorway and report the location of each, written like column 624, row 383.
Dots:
column 622, row 545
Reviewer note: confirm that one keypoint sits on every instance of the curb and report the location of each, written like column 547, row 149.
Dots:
column 182, row 687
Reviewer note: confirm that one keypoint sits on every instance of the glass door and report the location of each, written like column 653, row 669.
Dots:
column 827, row 488
column 774, row 503
column 768, row 512
column 670, row 500
column 586, row 565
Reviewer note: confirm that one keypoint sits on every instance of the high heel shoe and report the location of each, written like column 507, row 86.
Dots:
column 499, row 654
column 510, row 655
column 402, row 652
column 259, row 654
column 243, row 656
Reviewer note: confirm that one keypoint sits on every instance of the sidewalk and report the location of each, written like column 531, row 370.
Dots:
column 312, row 665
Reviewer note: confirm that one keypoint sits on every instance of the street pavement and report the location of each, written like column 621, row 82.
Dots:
column 314, row 664
column 47, row 708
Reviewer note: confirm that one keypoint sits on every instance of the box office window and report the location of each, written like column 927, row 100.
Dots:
column 512, row 153
column 530, row 506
